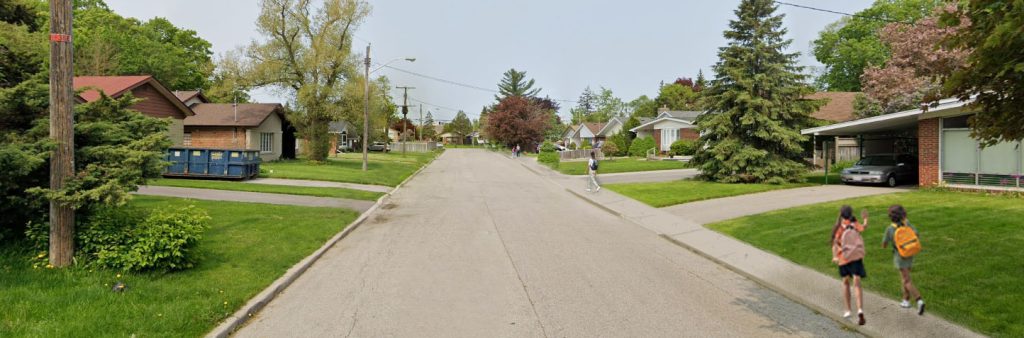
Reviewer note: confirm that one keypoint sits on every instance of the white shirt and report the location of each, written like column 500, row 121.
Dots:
column 590, row 164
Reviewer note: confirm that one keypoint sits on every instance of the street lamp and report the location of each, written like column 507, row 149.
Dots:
column 366, row 103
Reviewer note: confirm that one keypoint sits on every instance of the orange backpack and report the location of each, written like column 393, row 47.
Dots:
column 906, row 241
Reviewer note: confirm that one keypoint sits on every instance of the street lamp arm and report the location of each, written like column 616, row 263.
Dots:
column 391, row 61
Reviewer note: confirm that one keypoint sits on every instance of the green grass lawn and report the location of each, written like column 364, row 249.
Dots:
column 276, row 189
column 247, row 247
column 819, row 178
column 663, row 194
column 970, row 270
column 384, row 169
column 619, row 165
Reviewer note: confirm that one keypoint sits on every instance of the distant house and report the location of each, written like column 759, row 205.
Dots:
column 668, row 127
column 568, row 135
column 838, row 108
column 157, row 100
column 587, row 132
column 344, row 136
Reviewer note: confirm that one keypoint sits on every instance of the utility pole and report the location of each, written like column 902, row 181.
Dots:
column 366, row 109
column 405, row 114
column 419, row 131
column 62, row 131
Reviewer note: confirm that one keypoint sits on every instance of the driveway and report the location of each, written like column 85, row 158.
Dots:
column 478, row 246
column 715, row 210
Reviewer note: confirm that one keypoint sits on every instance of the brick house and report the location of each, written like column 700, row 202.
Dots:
column 157, row 101
column 668, row 127
column 243, row 126
column 940, row 138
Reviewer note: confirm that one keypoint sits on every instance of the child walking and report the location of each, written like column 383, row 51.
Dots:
column 848, row 253
column 905, row 245
column 592, row 170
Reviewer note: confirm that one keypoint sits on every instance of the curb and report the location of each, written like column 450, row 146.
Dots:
column 232, row 323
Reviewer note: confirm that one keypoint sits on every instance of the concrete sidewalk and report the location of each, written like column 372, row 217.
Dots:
column 256, row 197
column 320, row 184
column 682, row 225
column 630, row 177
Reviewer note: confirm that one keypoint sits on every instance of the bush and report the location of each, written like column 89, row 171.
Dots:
column 684, row 148
column 586, row 145
column 621, row 141
column 548, row 155
column 640, row 146
column 128, row 239
column 842, row 165
column 610, row 149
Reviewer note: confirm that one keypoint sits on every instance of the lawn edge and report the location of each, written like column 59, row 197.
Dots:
column 238, row 319
column 284, row 193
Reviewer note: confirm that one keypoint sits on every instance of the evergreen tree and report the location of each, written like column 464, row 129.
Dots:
column 461, row 126
column 756, row 110
column 429, row 133
column 701, row 81
column 514, row 83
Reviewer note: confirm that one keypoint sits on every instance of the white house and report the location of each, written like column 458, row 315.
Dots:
column 669, row 127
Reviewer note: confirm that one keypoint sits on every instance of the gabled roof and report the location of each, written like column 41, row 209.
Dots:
column 594, row 127
column 839, row 107
column 115, row 86
column 223, row 114
column 185, row 95
column 611, row 122
column 687, row 117
column 338, row 127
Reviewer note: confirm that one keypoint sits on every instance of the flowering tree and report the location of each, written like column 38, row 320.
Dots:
column 517, row 120
column 919, row 61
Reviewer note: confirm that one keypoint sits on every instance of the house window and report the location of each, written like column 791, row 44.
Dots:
column 267, row 142
column 965, row 162
column 187, row 140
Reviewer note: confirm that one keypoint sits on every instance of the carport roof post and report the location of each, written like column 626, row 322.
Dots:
column 889, row 122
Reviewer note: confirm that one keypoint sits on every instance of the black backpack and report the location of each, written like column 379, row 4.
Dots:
column 594, row 166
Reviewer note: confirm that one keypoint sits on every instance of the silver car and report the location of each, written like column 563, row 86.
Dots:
column 885, row 169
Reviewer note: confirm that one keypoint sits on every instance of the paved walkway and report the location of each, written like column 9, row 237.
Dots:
column 320, row 184
column 721, row 209
column 477, row 246
column 682, row 225
column 256, row 197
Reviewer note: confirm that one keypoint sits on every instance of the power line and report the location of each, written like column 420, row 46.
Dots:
column 456, row 83
column 869, row 17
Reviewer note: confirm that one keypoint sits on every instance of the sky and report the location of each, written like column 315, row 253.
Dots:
column 565, row 45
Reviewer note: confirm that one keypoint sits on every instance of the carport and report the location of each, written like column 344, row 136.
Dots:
column 886, row 134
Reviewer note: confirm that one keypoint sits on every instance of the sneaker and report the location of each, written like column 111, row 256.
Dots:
column 846, row 314
column 905, row 304
column 860, row 317
column 588, row 190
column 920, row 307
column 598, row 189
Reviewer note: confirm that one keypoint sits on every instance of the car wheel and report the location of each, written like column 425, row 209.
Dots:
column 891, row 181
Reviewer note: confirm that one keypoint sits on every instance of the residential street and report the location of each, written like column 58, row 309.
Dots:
column 479, row 246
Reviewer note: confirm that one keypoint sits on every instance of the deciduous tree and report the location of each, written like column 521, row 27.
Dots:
column 305, row 51
column 460, row 126
column 994, row 74
column 517, row 120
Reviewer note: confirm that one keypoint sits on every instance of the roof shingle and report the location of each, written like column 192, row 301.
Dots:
column 223, row 114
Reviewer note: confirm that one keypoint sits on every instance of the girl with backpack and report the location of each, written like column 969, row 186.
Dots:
column 848, row 253
column 905, row 245
column 592, row 170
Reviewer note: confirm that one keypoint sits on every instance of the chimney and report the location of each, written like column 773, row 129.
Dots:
column 662, row 109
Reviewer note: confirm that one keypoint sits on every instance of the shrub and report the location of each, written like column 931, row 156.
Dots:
column 547, row 147
column 548, row 155
column 842, row 165
column 586, row 145
column 640, row 146
column 129, row 239
column 684, row 148
column 610, row 149
column 621, row 141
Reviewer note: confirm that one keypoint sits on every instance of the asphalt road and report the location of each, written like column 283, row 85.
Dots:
column 478, row 246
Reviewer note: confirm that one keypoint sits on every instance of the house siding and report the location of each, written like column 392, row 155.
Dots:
column 928, row 152
column 154, row 104
column 657, row 138
column 688, row 134
column 271, row 125
column 217, row 137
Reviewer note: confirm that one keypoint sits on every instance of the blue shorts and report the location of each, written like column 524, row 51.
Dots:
column 855, row 268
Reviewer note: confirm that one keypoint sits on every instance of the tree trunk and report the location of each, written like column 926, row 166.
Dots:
column 62, row 161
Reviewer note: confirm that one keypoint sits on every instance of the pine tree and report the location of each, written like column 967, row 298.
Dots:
column 429, row 133
column 701, row 81
column 514, row 83
column 752, row 130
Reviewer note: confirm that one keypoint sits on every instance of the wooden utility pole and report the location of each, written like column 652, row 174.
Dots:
column 405, row 115
column 366, row 109
column 62, row 131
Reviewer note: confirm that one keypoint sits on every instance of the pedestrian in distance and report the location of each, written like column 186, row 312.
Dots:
column 848, row 253
column 905, row 246
column 592, row 170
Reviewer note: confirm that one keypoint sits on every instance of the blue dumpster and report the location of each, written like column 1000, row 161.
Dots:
column 212, row 163
column 198, row 162
column 179, row 161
